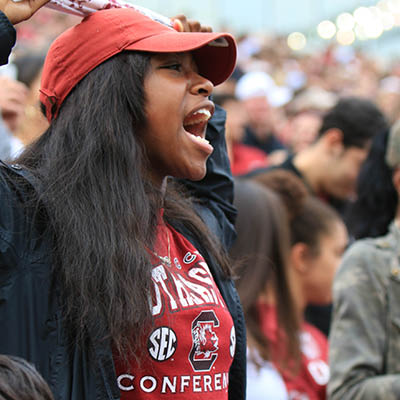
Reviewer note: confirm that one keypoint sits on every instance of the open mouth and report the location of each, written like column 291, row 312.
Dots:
column 196, row 124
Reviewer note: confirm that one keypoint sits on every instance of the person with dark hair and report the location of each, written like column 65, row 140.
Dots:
column 330, row 166
column 375, row 206
column 243, row 158
column 19, row 380
column 318, row 238
column 115, row 223
column 260, row 97
column 364, row 352
column 260, row 256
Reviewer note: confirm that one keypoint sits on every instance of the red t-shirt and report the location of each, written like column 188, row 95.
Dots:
column 190, row 347
column 312, row 378
column 246, row 159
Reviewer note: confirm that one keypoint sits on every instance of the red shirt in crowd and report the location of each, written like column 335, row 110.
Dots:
column 313, row 374
column 247, row 158
column 190, row 347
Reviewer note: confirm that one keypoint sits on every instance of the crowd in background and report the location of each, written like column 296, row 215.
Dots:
column 300, row 87
column 277, row 102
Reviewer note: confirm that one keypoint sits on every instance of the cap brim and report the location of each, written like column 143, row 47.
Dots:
column 214, row 53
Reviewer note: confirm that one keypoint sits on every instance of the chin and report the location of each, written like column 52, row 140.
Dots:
column 197, row 177
column 197, row 174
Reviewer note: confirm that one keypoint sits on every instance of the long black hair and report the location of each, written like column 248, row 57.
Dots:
column 376, row 202
column 102, row 210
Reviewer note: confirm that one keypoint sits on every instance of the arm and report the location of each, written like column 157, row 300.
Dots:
column 358, row 335
column 215, row 191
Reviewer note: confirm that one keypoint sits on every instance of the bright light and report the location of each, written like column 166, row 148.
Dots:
column 364, row 23
column 383, row 5
column 345, row 22
column 394, row 6
column 326, row 29
column 360, row 32
column 345, row 38
column 363, row 15
column 388, row 21
column 296, row 41
column 373, row 31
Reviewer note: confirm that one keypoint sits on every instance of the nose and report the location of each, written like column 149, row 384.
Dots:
column 201, row 86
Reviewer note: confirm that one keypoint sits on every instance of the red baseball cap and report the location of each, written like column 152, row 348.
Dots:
column 108, row 32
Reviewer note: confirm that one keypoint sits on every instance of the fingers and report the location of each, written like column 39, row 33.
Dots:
column 205, row 29
column 17, row 11
column 178, row 26
column 182, row 24
column 36, row 4
column 181, row 21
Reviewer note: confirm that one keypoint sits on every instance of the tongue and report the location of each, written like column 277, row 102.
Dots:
column 195, row 129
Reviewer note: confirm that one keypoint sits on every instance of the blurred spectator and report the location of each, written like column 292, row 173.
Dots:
column 304, row 117
column 318, row 239
column 13, row 96
column 389, row 97
column 33, row 123
column 243, row 158
column 260, row 95
column 364, row 341
column 19, row 380
column 375, row 206
column 330, row 166
column 260, row 256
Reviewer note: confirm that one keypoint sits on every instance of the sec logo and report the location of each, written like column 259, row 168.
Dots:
column 162, row 343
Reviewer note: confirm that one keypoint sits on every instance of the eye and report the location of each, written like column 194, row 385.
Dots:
column 174, row 66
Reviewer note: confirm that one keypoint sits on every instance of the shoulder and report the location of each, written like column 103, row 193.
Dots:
column 365, row 269
column 12, row 181
column 369, row 255
column 14, row 197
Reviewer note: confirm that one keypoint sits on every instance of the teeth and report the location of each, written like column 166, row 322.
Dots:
column 200, row 139
column 205, row 112
column 202, row 115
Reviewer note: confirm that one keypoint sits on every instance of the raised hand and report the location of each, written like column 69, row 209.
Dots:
column 182, row 24
column 17, row 11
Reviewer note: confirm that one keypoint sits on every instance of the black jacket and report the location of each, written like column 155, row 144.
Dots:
column 31, row 323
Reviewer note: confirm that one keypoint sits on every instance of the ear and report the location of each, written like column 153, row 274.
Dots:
column 333, row 141
column 299, row 256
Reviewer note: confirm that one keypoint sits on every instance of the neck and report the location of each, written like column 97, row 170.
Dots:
column 308, row 162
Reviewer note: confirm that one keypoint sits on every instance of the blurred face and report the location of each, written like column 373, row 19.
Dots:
column 303, row 130
column 258, row 110
column 323, row 263
column 341, row 177
column 236, row 119
column 177, row 110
